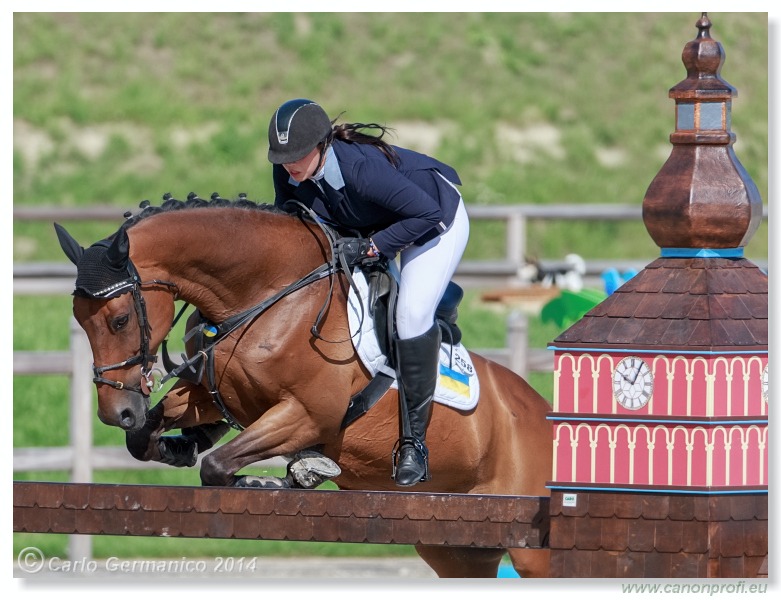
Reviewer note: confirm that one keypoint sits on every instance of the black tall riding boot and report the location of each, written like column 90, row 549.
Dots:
column 418, row 368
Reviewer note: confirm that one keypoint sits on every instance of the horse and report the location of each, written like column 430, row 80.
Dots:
column 285, row 385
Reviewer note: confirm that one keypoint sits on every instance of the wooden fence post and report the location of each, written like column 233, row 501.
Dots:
column 517, row 342
column 80, row 546
column 516, row 239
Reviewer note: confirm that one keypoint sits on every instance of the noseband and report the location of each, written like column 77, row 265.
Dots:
column 133, row 285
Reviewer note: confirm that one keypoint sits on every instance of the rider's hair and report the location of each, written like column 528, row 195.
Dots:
column 351, row 133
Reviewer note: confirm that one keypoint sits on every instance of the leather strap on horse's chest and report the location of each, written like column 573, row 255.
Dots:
column 199, row 364
column 215, row 391
column 367, row 397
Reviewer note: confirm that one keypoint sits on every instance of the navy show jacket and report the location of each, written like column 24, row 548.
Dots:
column 363, row 191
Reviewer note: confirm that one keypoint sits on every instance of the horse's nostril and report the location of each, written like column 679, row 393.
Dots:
column 127, row 419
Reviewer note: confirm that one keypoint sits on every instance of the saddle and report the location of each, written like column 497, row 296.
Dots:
column 383, row 290
column 382, row 295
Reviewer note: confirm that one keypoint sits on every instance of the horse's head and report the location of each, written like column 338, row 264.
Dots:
column 124, row 325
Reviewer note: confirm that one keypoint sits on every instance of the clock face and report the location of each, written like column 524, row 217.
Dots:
column 764, row 384
column 633, row 383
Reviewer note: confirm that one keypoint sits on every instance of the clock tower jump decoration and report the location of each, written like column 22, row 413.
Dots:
column 661, row 392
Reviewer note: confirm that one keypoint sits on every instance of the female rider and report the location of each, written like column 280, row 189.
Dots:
column 405, row 203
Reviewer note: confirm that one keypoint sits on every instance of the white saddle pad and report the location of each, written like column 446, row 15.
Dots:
column 457, row 386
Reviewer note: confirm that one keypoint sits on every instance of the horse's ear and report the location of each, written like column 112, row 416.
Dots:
column 119, row 250
column 69, row 245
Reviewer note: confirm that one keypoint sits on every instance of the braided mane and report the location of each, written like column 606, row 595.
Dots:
column 171, row 204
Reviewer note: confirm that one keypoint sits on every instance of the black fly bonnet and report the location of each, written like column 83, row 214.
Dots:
column 98, row 277
column 105, row 271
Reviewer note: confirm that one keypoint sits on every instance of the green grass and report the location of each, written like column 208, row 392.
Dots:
column 114, row 108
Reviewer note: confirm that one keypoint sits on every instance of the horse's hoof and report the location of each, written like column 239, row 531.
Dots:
column 177, row 451
column 265, row 482
column 309, row 469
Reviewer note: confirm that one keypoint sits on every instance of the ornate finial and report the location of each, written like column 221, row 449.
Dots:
column 702, row 197
column 704, row 26
column 703, row 58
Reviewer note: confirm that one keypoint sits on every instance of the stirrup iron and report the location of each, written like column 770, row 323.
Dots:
column 419, row 446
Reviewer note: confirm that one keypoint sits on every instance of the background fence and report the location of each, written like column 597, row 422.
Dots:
column 41, row 278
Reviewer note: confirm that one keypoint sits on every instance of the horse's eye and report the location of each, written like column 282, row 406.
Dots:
column 119, row 322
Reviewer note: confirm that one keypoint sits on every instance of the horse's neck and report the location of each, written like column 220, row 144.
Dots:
column 224, row 265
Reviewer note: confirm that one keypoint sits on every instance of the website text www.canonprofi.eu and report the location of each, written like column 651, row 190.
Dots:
column 704, row 589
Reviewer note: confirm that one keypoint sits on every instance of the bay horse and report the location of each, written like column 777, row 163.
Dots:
column 285, row 387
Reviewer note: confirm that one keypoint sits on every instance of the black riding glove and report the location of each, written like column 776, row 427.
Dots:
column 354, row 250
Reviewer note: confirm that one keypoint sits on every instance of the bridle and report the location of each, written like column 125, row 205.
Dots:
column 144, row 358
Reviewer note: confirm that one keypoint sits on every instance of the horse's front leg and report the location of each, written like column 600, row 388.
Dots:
column 285, row 429
column 186, row 407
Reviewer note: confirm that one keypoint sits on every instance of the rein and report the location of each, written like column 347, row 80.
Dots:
column 337, row 263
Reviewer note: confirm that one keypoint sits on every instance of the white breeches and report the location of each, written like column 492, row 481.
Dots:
column 425, row 272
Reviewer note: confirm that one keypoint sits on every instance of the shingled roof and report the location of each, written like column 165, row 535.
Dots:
column 687, row 304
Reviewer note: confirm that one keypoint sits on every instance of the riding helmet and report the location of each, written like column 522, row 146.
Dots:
column 295, row 129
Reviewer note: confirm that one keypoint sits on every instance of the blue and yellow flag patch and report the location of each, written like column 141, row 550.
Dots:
column 454, row 381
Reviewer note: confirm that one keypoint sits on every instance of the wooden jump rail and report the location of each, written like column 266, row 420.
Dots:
column 486, row 521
